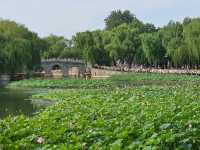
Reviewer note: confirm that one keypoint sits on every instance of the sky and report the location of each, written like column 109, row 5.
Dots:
column 66, row 17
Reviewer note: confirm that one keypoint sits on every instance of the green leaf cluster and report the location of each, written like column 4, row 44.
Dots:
column 146, row 116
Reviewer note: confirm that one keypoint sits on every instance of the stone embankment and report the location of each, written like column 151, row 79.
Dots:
column 108, row 71
column 104, row 73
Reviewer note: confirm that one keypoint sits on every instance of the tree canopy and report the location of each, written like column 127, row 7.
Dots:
column 19, row 48
column 118, row 17
column 126, row 40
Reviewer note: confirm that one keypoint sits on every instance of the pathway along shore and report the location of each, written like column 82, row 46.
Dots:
column 100, row 70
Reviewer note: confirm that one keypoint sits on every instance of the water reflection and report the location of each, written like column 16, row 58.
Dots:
column 14, row 102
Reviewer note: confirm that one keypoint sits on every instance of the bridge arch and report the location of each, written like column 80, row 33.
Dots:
column 66, row 66
column 56, row 67
column 57, row 70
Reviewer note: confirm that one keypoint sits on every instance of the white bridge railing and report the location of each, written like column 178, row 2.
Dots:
column 150, row 70
column 68, row 60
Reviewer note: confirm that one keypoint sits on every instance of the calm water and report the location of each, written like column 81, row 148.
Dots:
column 14, row 102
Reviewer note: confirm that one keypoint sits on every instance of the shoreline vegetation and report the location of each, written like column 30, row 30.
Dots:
column 125, row 41
column 135, row 111
column 114, row 81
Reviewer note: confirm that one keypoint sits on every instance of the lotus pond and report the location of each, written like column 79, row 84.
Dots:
column 139, row 111
column 16, row 101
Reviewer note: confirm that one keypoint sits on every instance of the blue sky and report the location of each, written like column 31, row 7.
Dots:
column 66, row 17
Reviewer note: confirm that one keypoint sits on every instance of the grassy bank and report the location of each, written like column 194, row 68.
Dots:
column 150, row 116
column 60, row 83
column 114, row 81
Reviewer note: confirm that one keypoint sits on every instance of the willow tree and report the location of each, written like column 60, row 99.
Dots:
column 3, row 55
column 153, row 49
column 20, row 48
column 112, row 45
column 19, row 55
column 118, row 17
column 55, row 46
column 92, row 46
column 70, row 51
column 131, row 45
column 85, row 42
column 124, row 44
column 192, row 39
column 172, row 40
column 101, row 56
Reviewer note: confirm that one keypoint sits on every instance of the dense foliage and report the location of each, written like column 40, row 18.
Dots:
column 61, row 83
column 113, row 82
column 59, row 47
column 150, row 116
column 19, row 48
column 125, row 41
column 128, row 41
column 119, row 17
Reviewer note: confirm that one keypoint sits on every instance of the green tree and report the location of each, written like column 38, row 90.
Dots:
column 172, row 39
column 124, row 44
column 153, row 49
column 92, row 46
column 148, row 28
column 19, row 50
column 192, row 40
column 3, row 54
column 118, row 17
column 19, row 55
column 55, row 46
column 101, row 56
column 85, row 42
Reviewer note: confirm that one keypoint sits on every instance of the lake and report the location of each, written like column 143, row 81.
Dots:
column 15, row 102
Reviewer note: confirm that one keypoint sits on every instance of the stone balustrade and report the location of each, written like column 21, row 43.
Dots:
column 68, row 60
column 150, row 70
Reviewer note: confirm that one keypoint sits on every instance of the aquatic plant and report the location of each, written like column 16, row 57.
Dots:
column 136, row 117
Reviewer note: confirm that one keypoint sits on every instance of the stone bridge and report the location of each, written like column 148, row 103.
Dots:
column 66, row 66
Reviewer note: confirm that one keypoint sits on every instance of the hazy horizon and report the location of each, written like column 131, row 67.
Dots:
column 65, row 18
